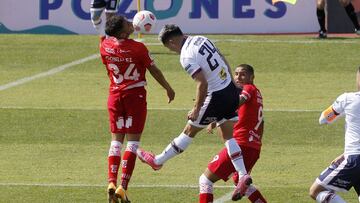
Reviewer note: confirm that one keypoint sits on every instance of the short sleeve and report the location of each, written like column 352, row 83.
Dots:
column 190, row 65
column 247, row 92
column 339, row 104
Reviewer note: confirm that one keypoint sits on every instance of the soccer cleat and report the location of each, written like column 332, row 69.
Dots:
column 322, row 34
column 121, row 194
column 148, row 158
column 111, row 193
column 243, row 184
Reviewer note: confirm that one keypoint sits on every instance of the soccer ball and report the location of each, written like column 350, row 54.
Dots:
column 144, row 21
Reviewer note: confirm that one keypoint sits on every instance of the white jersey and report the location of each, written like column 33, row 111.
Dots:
column 200, row 54
column 348, row 104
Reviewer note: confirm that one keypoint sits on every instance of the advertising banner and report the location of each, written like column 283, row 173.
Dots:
column 193, row 16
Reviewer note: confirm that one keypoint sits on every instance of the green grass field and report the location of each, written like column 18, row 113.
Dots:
column 54, row 134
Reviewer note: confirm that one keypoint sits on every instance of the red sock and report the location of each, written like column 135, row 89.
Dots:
column 206, row 198
column 128, row 163
column 257, row 197
column 113, row 168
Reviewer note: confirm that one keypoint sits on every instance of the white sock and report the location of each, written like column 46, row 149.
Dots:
column 205, row 185
column 132, row 146
column 329, row 197
column 115, row 148
column 235, row 155
column 178, row 145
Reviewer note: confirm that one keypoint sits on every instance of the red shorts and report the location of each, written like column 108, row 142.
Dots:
column 222, row 166
column 127, row 111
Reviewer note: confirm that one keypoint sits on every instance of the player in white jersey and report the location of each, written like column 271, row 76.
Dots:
column 217, row 99
column 344, row 171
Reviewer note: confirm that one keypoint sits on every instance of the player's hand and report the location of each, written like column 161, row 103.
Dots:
column 193, row 114
column 171, row 94
column 210, row 128
column 338, row 160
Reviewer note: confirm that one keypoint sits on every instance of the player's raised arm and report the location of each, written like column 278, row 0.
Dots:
column 159, row 77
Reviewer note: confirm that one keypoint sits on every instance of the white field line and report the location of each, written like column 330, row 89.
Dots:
column 314, row 41
column 103, row 185
column 224, row 198
column 161, row 109
column 47, row 73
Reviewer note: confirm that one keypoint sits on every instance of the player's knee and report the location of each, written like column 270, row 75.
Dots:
column 115, row 148
column 95, row 16
column 205, row 185
column 313, row 192
column 132, row 146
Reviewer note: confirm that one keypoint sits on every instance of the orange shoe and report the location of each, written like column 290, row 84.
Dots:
column 111, row 193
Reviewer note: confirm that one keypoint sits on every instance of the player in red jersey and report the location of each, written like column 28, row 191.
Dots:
column 126, row 62
column 248, row 132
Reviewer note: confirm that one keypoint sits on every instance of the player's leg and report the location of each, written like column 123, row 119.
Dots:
column 236, row 156
column 206, row 182
column 180, row 143
column 339, row 176
column 114, row 157
column 350, row 11
column 220, row 167
column 320, row 13
column 117, row 139
column 321, row 194
column 111, row 8
column 96, row 9
column 176, row 147
column 251, row 156
column 135, row 107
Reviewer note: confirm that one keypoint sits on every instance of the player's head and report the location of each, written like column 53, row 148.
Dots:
column 119, row 27
column 358, row 78
column 244, row 74
column 172, row 37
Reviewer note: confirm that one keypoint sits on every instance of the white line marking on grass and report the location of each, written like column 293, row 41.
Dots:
column 104, row 185
column 314, row 41
column 161, row 109
column 289, row 41
column 48, row 73
column 224, row 198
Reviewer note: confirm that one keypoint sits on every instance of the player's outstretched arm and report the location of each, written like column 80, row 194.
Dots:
column 159, row 77
column 328, row 116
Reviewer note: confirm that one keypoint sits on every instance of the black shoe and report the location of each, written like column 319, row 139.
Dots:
column 322, row 34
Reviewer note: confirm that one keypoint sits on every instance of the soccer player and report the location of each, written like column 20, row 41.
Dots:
column 96, row 10
column 349, row 8
column 344, row 171
column 126, row 62
column 248, row 133
column 217, row 99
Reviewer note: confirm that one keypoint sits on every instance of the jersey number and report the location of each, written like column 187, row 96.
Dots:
column 130, row 74
column 260, row 118
column 210, row 50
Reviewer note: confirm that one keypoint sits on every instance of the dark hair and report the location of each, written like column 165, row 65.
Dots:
column 248, row 68
column 169, row 31
column 114, row 25
column 359, row 69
